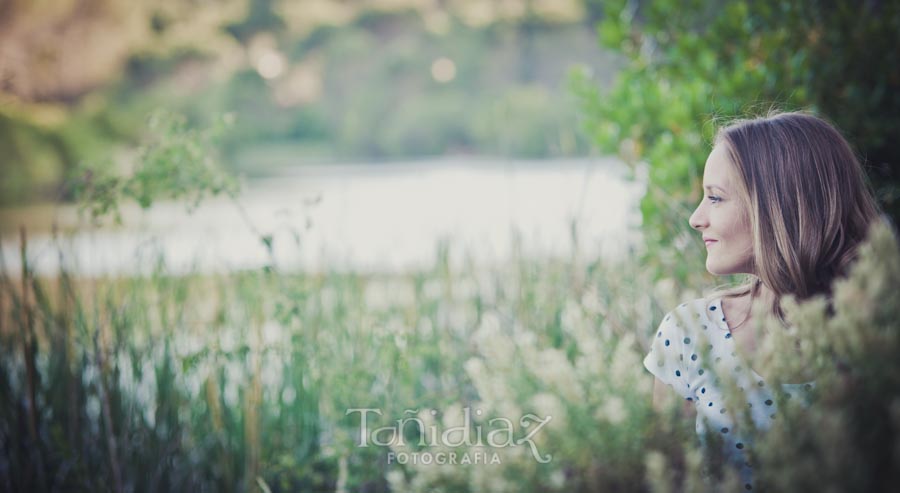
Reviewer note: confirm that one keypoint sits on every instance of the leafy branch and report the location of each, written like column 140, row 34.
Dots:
column 175, row 162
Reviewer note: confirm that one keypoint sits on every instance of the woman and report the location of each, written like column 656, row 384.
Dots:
column 786, row 202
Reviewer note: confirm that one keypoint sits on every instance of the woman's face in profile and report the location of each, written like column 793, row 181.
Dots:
column 722, row 218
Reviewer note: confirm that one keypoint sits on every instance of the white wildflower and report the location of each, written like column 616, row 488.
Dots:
column 396, row 480
column 557, row 479
column 575, row 322
column 553, row 368
column 666, row 291
column 614, row 410
column 591, row 301
column 626, row 362
column 271, row 332
column 546, row 404
column 453, row 416
column 496, row 347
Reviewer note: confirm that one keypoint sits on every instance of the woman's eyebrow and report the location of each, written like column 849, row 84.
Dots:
column 710, row 187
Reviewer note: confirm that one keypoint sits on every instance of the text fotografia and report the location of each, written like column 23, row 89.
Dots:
column 466, row 458
column 499, row 433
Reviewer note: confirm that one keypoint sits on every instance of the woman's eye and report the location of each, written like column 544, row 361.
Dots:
column 714, row 198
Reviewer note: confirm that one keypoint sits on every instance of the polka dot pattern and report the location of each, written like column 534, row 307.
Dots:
column 689, row 340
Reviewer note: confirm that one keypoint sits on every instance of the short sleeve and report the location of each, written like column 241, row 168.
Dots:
column 666, row 357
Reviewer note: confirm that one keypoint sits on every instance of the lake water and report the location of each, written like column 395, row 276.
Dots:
column 367, row 218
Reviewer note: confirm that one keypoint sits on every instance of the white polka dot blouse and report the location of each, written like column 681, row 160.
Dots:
column 694, row 353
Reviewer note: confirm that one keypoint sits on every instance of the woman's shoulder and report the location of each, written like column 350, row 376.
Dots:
column 693, row 314
column 699, row 305
column 673, row 348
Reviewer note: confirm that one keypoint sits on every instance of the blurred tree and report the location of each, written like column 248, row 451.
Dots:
column 260, row 17
column 57, row 51
column 696, row 62
column 76, row 75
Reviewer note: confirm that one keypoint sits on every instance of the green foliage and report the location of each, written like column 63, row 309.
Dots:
column 38, row 150
column 528, row 122
column 426, row 126
column 144, row 68
column 259, row 120
column 693, row 64
column 22, row 143
column 175, row 162
column 260, row 17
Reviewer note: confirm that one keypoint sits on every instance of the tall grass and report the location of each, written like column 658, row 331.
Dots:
column 235, row 381
column 242, row 381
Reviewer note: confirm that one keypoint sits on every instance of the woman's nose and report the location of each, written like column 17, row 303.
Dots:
column 698, row 219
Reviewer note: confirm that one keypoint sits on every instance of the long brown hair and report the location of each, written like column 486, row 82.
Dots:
column 809, row 203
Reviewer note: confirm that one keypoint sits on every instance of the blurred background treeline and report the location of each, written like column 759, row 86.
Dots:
column 313, row 80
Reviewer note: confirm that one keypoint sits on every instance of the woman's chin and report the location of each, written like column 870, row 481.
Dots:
column 715, row 269
column 718, row 270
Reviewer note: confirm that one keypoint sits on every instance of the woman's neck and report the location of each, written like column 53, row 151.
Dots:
column 742, row 307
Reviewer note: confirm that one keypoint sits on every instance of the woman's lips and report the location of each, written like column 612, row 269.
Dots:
column 709, row 242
